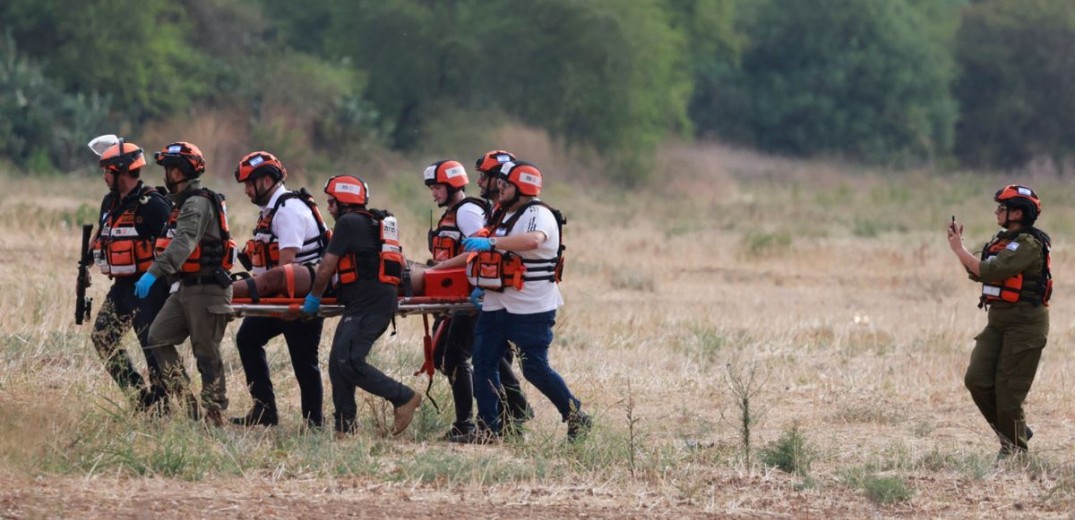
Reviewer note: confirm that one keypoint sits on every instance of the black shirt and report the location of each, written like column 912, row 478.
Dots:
column 149, row 216
column 358, row 233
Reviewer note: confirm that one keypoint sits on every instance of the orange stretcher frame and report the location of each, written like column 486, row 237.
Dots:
column 289, row 307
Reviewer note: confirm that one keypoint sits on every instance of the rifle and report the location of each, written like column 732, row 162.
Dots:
column 83, row 304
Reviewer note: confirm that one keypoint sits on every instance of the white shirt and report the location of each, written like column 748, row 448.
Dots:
column 293, row 225
column 536, row 296
column 470, row 217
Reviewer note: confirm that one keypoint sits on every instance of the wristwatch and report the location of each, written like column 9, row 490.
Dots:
column 492, row 242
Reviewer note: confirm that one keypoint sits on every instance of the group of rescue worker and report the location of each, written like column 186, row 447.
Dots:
column 169, row 253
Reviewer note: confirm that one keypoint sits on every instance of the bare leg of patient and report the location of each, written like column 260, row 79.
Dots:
column 294, row 281
column 284, row 281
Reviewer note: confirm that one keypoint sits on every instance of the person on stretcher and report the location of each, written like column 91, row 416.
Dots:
column 293, row 281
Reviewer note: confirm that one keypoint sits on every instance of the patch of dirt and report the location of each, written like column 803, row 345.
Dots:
column 65, row 497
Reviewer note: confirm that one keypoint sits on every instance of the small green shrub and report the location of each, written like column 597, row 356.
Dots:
column 886, row 490
column 880, row 489
column 790, row 453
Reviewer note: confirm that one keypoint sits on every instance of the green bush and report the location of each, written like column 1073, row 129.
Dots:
column 864, row 78
column 880, row 489
column 43, row 128
column 138, row 51
column 790, row 453
column 1015, row 90
column 607, row 76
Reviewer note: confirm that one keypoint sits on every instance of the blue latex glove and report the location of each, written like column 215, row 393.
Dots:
column 143, row 285
column 311, row 305
column 476, row 297
column 477, row 244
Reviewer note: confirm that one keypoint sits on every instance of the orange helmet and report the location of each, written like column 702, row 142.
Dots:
column 259, row 163
column 130, row 159
column 525, row 176
column 451, row 173
column 1017, row 196
column 184, row 155
column 491, row 159
column 348, row 189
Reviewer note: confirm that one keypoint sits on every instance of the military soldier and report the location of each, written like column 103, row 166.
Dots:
column 132, row 215
column 366, row 259
column 1013, row 269
column 197, row 251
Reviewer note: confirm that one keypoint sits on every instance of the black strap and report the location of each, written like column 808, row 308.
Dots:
column 252, row 288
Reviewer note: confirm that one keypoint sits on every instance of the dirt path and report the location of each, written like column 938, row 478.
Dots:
column 61, row 497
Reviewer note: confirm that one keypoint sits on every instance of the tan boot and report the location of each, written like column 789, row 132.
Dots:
column 404, row 414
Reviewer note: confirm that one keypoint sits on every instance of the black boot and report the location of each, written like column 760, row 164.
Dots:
column 258, row 416
column 578, row 426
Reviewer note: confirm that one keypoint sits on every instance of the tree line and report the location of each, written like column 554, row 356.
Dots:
column 976, row 83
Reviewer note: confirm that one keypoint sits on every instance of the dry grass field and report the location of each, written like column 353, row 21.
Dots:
column 756, row 338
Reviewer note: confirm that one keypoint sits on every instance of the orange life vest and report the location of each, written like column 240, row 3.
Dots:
column 118, row 250
column 264, row 249
column 389, row 260
column 208, row 252
column 1037, row 290
column 497, row 270
column 446, row 240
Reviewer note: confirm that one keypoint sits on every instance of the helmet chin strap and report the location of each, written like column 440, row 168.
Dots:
column 514, row 200
column 262, row 197
column 450, row 198
column 1008, row 218
column 114, row 187
column 173, row 187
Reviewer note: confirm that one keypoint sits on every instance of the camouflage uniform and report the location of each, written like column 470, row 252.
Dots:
column 122, row 311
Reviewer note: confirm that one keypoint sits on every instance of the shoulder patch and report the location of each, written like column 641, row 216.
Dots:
column 1012, row 246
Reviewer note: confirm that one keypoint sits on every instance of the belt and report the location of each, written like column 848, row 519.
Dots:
column 199, row 280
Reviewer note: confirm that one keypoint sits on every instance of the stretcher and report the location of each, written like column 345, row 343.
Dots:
column 440, row 294
column 407, row 305
column 435, row 292
column 438, row 306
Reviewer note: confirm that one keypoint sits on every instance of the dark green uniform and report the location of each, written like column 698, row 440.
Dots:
column 1006, row 353
column 199, row 309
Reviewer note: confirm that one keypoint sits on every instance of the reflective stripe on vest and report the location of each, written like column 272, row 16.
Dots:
column 497, row 271
column 118, row 251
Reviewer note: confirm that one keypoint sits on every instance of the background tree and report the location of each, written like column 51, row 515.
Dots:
column 135, row 51
column 614, row 76
column 1018, row 62
column 855, row 77
column 41, row 126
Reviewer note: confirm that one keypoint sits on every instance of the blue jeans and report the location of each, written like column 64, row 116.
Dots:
column 532, row 335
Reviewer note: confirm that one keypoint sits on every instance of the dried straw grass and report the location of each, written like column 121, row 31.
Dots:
column 861, row 340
